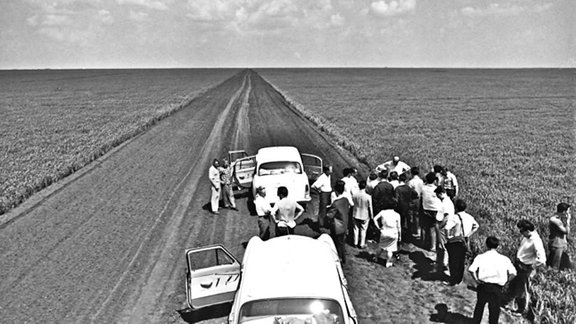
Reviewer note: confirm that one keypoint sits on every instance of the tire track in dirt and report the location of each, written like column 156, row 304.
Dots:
column 147, row 297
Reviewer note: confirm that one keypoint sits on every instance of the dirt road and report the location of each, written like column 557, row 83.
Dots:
column 106, row 245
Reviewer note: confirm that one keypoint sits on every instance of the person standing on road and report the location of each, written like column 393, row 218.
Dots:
column 371, row 182
column 430, row 207
column 383, row 195
column 447, row 210
column 388, row 221
column 337, row 216
column 264, row 212
column 362, row 213
column 324, row 187
column 226, row 181
column 287, row 211
column 214, row 177
column 559, row 229
column 491, row 270
column 350, row 183
column 416, row 183
column 458, row 227
column 407, row 204
column 530, row 255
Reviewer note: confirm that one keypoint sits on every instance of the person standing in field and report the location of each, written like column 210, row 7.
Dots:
column 264, row 212
column 450, row 183
column 394, row 165
column 286, row 212
column 416, row 183
column 388, row 221
column 446, row 210
column 559, row 225
column 372, row 181
column 337, row 216
column 439, row 170
column 226, row 182
column 393, row 179
column 430, row 207
column 214, row 177
column 459, row 227
column 383, row 195
column 362, row 213
column 408, row 203
column 530, row 255
column 491, row 270
column 324, row 187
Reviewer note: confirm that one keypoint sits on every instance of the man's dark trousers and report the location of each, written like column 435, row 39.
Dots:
column 491, row 294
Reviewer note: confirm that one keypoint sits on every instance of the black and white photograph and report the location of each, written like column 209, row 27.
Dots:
column 287, row 161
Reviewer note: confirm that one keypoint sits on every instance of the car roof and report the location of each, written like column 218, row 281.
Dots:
column 290, row 266
column 278, row 153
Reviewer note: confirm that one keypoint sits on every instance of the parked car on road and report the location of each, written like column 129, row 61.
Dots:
column 287, row 279
column 277, row 166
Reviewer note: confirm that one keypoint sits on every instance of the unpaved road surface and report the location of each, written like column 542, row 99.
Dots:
column 107, row 244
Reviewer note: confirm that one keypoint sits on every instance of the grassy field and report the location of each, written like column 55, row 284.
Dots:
column 508, row 135
column 54, row 122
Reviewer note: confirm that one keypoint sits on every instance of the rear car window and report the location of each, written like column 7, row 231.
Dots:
column 279, row 167
column 292, row 310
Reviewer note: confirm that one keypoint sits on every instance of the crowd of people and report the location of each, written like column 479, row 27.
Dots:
column 404, row 208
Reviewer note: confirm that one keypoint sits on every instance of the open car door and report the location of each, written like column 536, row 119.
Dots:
column 236, row 155
column 212, row 276
column 312, row 166
column 244, row 169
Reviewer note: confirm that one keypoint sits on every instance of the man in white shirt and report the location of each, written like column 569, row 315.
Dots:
column 430, row 207
column 286, row 212
column 446, row 210
column 264, row 211
column 214, row 177
column 458, row 229
column 492, row 271
column 362, row 213
column 394, row 165
column 416, row 183
column 324, row 187
column 350, row 184
column 530, row 255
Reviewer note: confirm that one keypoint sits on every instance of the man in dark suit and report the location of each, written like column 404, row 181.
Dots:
column 383, row 196
column 337, row 216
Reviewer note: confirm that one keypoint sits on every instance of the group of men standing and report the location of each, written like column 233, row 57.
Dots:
column 220, row 177
column 428, row 210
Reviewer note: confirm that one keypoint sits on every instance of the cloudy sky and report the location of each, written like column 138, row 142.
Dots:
column 286, row 33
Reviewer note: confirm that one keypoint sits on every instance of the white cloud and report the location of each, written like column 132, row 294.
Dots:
column 138, row 15
column 264, row 15
column 150, row 4
column 392, row 8
column 504, row 9
column 212, row 10
column 105, row 16
column 337, row 20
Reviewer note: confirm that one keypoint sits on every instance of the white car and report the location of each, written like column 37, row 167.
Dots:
column 287, row 279
column 277, row 166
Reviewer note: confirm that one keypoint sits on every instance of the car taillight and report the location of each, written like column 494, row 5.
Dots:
column 307, row 191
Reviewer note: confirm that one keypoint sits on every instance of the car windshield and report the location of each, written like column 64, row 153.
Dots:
column 279, row 167
column 291, row 310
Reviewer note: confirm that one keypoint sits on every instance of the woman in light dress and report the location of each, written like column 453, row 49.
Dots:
column 388, row 221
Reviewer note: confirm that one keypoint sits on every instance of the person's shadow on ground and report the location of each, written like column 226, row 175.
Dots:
column 443, row 315
column 425, row 268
